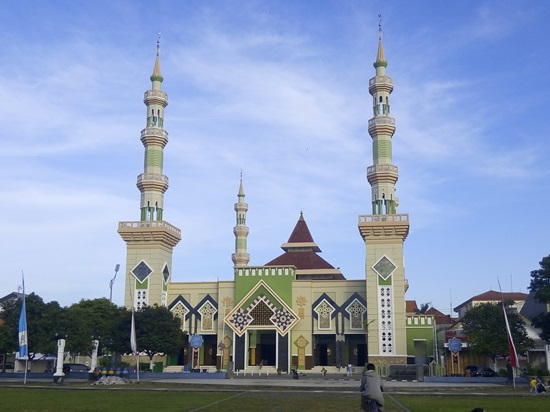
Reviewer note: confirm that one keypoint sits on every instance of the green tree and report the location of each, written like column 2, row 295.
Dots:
column 540, row 286
column 157, row 331
column 92, row 319
column 423, row 308
column 44, row 321
column 542, row 322
column 540, row 281
column 485, row 327
column 7, row 345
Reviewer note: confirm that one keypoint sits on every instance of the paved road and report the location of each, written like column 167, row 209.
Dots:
column 334, row 382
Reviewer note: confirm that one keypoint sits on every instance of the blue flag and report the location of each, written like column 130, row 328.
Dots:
column 23, row 343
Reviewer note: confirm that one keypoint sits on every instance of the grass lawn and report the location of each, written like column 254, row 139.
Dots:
column 178, row 398
column 465, row 403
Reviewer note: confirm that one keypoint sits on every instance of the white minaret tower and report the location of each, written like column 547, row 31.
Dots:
column 384, row 231
column 240, row 257
column 150, row 241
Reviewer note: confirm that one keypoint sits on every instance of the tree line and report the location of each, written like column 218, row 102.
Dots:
column 157, row 330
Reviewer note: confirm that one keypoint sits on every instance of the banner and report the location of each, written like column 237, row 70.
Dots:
column 23, row 342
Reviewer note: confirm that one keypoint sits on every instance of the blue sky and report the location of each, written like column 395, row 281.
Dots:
column 278, row 89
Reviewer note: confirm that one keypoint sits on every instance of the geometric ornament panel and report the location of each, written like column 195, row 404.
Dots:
column 384, row 267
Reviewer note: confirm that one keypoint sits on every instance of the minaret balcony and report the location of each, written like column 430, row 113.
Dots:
column 140, row 231
column 241, row 207
column 381, row 83
column 155, row 97
column 382, row 125
column 241, row 231
column 240, row 257
column 382, row 174
column 154, row 135
column 379, row 226
column 151, row 181
column 404, row 217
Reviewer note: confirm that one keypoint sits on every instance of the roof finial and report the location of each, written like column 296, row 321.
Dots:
column 380, row 27
column 158, row 43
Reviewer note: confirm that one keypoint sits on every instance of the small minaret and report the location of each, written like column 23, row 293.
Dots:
column 150, row 241
column 152, row 183
column 384, row 231
column 382, row 175
column 240, row 257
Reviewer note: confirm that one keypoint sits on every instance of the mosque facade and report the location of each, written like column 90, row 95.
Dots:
column 297, row 311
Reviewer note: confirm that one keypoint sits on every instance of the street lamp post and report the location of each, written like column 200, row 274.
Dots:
column 111, row 282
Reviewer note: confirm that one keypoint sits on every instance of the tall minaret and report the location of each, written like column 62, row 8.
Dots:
column 150, row 241
column 240, row 257
column 384, row 231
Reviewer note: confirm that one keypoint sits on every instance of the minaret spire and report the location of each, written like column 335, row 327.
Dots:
column 382, row 175
column 240, row 257
column 152, row 183
column 151, row 240
column 158, row 43
column 156, row 77
column 380, row 59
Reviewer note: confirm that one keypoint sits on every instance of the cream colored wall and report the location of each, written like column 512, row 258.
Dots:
column 155, row 256
column 338, row 290
column 392, row 247
column 194, row 292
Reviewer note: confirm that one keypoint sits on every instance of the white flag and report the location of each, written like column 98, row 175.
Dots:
column 133, row 343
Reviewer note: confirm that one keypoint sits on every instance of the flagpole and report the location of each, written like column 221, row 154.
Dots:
column 138, row 366
column 511, row 346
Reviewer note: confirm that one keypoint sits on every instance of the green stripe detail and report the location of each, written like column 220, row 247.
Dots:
column 153, row 158
column 143, row 285
column 381, row 148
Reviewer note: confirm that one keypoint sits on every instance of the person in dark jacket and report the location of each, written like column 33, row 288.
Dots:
column 371, row 388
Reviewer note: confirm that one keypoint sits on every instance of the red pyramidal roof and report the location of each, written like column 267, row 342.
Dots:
column 301, row 233
column 301, row 252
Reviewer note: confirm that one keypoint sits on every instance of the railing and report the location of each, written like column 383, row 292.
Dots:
column 380, row 80
column 149, row 224
column 266, row 271
column 152, row 176
column 155, row 93
column 154, row 131
column 382, row 168
column 382, row 120
column 383, row 218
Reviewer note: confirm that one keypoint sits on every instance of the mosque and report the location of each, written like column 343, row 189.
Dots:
column 297, row 311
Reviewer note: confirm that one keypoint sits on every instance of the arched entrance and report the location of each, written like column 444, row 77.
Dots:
column 262, row 347
column 324, row 352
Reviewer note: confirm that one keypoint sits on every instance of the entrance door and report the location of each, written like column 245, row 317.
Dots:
column 267, row 347
column 361, row 354
column 325, row 350
column 323, row 354
column 210, row 350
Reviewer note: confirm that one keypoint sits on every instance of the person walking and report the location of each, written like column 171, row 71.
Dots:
column 533, row 385
column 371, row 390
